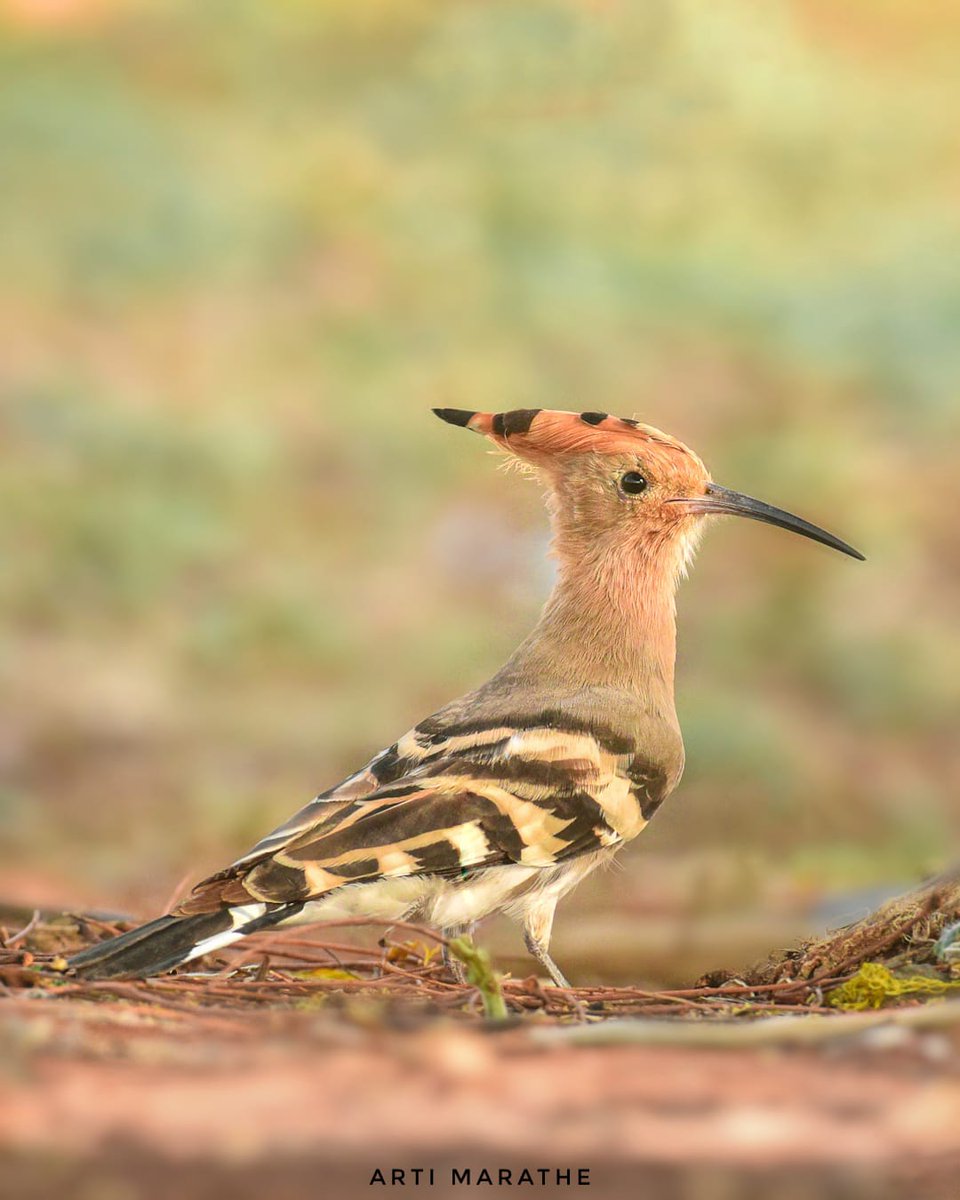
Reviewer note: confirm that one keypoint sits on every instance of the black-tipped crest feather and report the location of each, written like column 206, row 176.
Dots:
column 455, row 416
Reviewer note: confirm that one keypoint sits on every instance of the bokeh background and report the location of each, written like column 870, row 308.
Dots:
column 246, row 247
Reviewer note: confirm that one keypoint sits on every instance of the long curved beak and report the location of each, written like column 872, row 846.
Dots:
column 719, row 500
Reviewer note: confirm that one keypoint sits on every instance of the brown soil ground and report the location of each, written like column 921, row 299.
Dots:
column 242, row 1085
column 107, row 1100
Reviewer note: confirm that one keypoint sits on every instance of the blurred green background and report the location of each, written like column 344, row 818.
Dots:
column 245, row 247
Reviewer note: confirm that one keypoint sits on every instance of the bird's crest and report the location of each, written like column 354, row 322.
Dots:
column 541, row 434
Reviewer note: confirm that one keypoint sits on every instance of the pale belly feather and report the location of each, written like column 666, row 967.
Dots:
column 448, row 903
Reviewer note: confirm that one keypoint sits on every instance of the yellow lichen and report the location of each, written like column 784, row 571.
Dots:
column 325, row 974
column 874, row 984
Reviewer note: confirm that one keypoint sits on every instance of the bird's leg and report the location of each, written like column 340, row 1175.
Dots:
column 450, row 961
column 537, row 927
column 539, row 952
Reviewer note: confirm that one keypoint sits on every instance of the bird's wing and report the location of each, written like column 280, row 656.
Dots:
column 384, row 768
column 466, row 797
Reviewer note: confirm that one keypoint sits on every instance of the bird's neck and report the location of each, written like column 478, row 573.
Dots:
column 610, row 622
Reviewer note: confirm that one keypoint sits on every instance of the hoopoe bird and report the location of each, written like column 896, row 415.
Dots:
column 503, row 800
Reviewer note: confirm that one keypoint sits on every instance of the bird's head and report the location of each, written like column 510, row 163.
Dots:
column 614, row 478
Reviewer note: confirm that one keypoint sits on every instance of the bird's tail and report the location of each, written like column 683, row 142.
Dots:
column 163, row 944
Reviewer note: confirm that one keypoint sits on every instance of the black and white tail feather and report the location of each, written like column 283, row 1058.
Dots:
column 169, row 941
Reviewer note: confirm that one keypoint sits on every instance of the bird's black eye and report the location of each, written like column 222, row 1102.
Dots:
column 633, row 483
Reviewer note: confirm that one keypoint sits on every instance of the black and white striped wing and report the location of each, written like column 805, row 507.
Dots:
column 459, row 799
